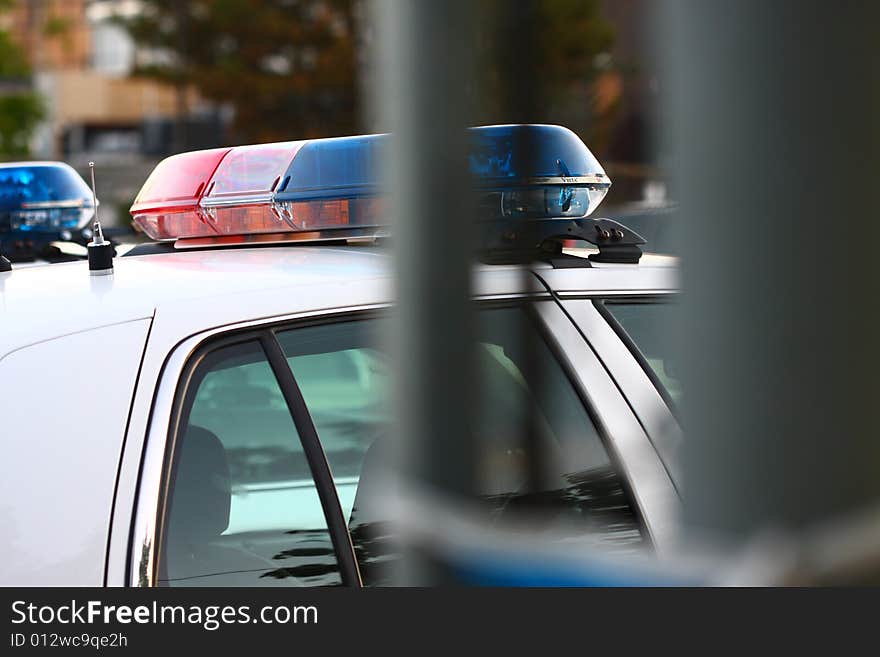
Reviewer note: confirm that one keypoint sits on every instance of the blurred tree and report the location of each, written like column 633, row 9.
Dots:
column 286, row 67
column 20, row 108
column 540, row 61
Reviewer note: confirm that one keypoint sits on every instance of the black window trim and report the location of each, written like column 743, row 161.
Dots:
column 317, row 459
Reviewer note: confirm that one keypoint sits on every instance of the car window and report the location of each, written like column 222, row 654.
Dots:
column 647, row 325
column 243, row 507
column 344, row 377
column 344, row 382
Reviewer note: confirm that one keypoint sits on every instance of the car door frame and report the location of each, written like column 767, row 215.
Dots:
column 626, row 365
column 133, row 561
column 144, row 533
column 622, row 431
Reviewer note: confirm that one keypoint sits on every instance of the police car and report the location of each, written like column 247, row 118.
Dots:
column 225, row 417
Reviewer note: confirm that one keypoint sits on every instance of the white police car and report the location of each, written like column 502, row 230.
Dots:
column 174, row 449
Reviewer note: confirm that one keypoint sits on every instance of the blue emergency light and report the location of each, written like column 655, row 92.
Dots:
column 535, row 171
column 43, row 197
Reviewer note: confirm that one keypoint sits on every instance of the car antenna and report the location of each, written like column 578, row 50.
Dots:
column 100, row 251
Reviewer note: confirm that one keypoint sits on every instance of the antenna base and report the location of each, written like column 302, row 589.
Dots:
column 101, row 258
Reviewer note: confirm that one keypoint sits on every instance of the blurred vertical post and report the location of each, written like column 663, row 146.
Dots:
column 519, row 63
column 424, row 69
column 181, row 109
column 772, row 116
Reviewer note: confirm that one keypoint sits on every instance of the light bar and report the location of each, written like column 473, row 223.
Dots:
column 43, row 197
column 329, row 185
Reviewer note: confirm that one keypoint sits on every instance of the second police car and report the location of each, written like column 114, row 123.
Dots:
column 182, row 460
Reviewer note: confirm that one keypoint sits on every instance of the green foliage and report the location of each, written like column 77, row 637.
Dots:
column 13, row 63
column 56, row 26
column 286, row 67
column 536, row 61
column 289, row 67
column 21, row 110
column 19, row 115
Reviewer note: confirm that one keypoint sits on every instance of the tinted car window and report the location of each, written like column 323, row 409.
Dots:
column 243, row 507
column 344, row 378
column 344, row 381
column 647, row 324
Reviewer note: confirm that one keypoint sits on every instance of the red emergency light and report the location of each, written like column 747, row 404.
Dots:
column 168, row 203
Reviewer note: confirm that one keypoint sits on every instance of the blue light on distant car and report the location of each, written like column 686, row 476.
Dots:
column 43, row 197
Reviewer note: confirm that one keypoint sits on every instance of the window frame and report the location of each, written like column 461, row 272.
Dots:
column 543, row 325
column 148, row 518
column 143, row 556
column 264, row 340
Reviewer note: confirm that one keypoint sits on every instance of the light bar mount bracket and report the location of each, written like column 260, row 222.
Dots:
column 506, row 242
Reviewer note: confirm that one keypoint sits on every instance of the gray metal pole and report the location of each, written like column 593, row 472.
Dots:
column 425, row 71
column 181, row 105
column 519, row 67
column 773, row 117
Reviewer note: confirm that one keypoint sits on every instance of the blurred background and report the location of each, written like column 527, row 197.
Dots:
column 128, row 82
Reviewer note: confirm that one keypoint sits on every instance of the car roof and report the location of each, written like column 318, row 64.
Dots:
column 43, row 302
